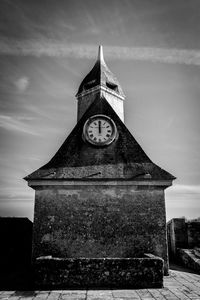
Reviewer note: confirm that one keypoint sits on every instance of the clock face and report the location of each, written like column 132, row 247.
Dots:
column 99, row 130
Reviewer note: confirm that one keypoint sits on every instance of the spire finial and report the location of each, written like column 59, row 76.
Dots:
column 100, row 55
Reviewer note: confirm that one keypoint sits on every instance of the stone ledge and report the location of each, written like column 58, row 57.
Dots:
column 132, row 273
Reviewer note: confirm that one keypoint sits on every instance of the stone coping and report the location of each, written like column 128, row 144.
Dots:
column 108, row 182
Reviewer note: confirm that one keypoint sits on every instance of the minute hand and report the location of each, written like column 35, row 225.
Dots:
column 99, row 127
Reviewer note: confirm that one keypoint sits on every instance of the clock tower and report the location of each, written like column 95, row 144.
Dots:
column 100, row 196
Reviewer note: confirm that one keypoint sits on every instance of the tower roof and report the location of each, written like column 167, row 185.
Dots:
column 100, row 75
column 122, row 159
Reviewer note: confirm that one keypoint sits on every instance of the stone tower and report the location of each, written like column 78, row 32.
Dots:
column 100, row 196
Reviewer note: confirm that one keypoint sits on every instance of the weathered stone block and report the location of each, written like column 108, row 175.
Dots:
column 190, row 258
column 99, row 273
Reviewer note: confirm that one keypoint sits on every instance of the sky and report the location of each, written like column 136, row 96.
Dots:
column 47, row 48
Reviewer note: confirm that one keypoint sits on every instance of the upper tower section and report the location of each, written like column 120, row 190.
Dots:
column 100, row 80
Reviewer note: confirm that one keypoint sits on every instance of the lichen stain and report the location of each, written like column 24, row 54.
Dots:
column 46, row 238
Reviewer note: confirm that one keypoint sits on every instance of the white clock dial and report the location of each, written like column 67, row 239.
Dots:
column 99, row 130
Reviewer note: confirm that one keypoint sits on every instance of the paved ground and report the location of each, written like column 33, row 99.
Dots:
column 179, row 285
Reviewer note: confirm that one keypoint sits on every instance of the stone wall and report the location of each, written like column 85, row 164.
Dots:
column 15, row 253
column 182, row 234
column 16, row 240
column 177, row 235
column 84, row 102
column 193, row 232
column 100, row 221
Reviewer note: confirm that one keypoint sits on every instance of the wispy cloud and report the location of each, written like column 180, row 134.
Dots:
column 63, row 49
column 183, row 200
column 185, row 189
column 15, row 193
column 16, row 201
column 22, row 84
column 13, row 123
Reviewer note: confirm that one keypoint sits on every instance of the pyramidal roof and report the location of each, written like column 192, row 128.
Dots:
column 122, row 159
column 100, row 75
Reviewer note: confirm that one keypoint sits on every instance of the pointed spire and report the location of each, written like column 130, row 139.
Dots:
column 100, row 55
column 100, row 81
column 100, row 76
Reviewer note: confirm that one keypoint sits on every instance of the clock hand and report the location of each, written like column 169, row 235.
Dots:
column 99, row 127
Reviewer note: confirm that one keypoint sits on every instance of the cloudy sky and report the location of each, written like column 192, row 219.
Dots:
column 47, row 47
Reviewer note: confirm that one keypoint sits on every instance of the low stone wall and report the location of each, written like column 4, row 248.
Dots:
column 182, row 233
column 146, row 272
column 190, row 258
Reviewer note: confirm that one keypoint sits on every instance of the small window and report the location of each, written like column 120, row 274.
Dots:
column 112, row 86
